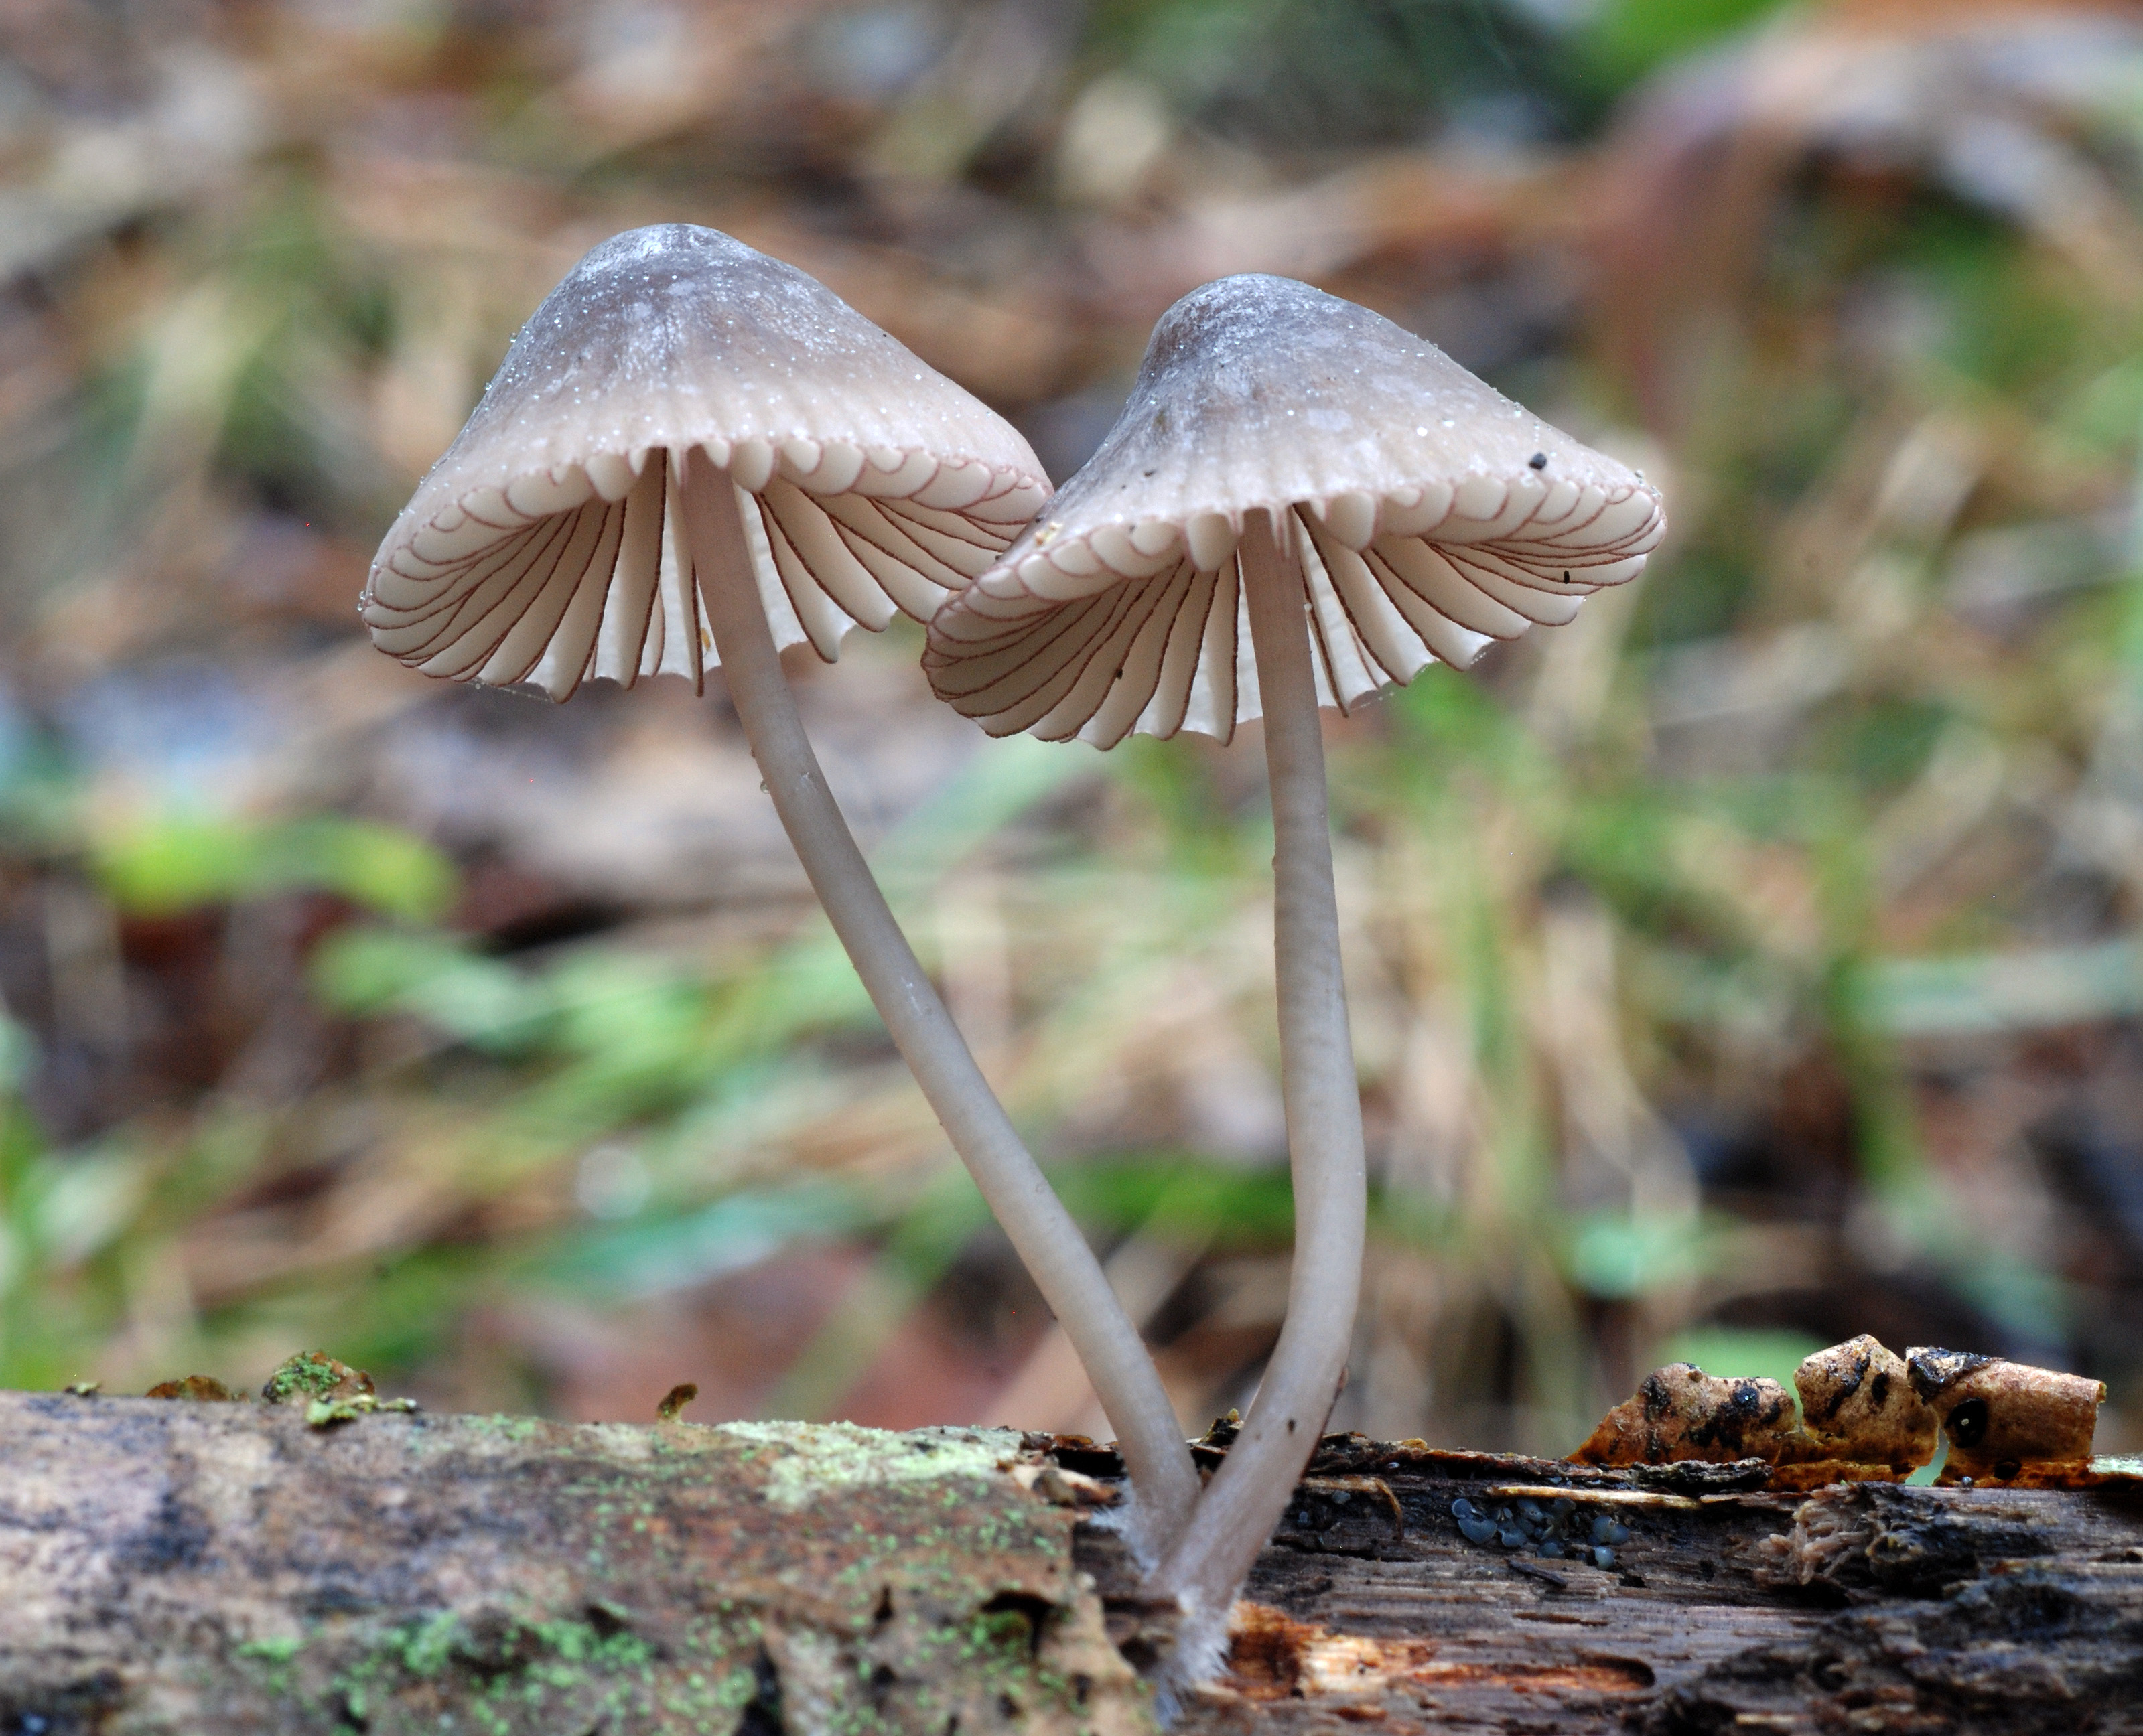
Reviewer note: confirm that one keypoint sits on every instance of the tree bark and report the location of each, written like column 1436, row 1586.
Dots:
column 170, row 1566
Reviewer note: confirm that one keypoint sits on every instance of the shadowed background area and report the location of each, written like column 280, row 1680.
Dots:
column 1756, row 961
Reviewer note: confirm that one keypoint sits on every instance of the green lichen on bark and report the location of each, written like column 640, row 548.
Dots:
column 510, row 1575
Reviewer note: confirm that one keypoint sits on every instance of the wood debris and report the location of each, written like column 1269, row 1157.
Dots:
column 1865, row 1414
column 1680, row 1413
column 2000, row 1416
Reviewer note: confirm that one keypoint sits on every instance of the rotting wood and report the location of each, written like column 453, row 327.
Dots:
column 1866, row 1607
column 174, row 1566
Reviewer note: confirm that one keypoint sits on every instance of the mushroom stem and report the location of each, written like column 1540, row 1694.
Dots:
column 1245, row 1500
column 1048, row 1241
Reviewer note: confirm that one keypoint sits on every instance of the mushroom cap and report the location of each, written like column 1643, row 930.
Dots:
column 541, row 547
column 1427, row 513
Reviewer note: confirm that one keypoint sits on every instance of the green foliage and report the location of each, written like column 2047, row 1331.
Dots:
column 362, row 972
column 175, row 862
column 1180, row 1195
column 1624, row 40
column 1617, row 1255
column 1327, row 72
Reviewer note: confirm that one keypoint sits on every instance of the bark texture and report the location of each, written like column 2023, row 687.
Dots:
column 208, row 1567
column 185, row 1567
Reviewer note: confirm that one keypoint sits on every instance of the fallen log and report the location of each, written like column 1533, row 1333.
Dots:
column 190, row 1567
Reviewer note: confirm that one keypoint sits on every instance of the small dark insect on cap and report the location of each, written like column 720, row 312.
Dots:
column 1421, row 521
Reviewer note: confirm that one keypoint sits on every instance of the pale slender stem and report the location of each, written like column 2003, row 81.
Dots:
column 1055, row 1252
column 1236, row 1516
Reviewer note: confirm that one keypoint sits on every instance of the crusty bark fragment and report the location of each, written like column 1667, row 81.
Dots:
column 194, row 1389
column 1858, row 1406
column 312, row 1376
column 1680, row 1413
column 2000, row 1416
column 1865, row 1414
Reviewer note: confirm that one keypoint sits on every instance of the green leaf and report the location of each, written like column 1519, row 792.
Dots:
column 178, row 862
column 1626, row 39
column 1614, row 1254
column 360, row 971
column 380, row 867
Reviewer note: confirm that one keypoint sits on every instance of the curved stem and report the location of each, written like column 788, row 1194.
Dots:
column 1208, row 1564
column 1048, row 1242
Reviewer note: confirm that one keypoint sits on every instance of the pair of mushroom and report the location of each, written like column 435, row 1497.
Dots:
column 694, row 454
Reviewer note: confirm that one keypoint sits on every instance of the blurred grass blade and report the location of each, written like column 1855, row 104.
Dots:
column 666, row 1253
column 1994, row 993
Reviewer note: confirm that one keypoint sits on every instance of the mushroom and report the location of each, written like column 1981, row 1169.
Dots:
column 694, row 453
column 1293, row 469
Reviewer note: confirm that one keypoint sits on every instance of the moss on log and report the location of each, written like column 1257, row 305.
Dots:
column 186, row 1567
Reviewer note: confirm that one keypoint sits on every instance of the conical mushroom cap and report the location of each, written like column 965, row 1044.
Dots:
column 543, row 548
column 1428, row 514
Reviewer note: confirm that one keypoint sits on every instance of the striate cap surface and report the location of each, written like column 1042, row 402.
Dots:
column 1427, row 513
column 543, row 547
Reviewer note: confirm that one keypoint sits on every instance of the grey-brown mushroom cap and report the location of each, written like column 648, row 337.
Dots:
column 543, row 546
column 1428, row 514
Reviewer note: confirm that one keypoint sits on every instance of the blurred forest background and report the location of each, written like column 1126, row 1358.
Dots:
column 1756, row 961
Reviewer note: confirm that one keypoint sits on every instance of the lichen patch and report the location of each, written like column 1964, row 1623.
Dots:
column 814, row 1458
